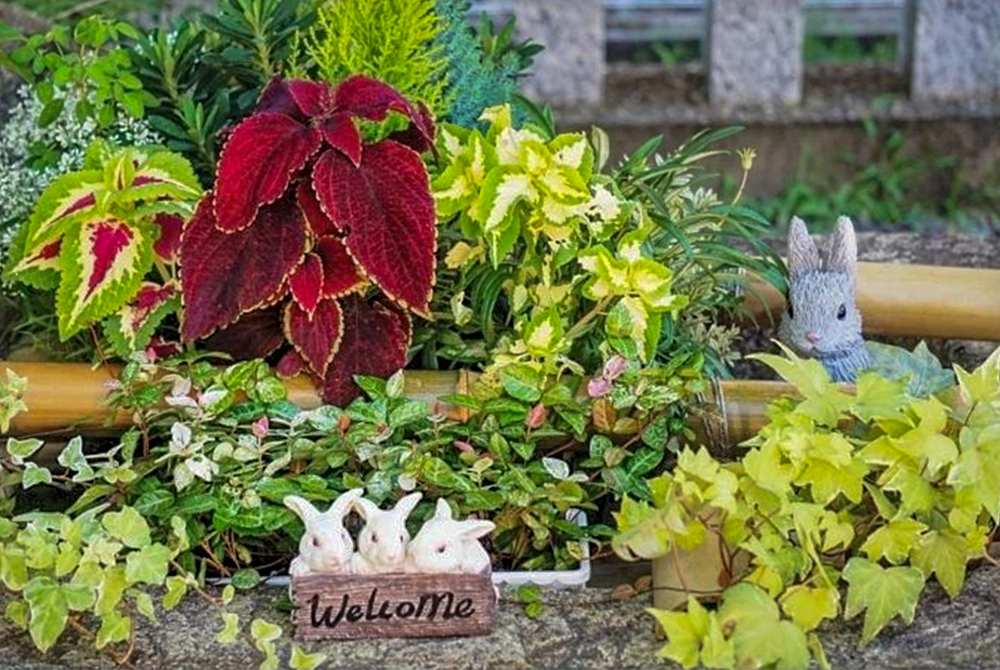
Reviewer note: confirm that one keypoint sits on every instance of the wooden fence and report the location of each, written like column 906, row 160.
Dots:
column 947, row 49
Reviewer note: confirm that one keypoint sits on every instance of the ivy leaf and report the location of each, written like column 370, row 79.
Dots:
column 49, row 611
column 72, row 455
column 760, row 637
column 893, row 540
column 17, row 613
column 257, row 164
column 977, row 471
column 824, row 402
column 149, row 565
column 144, row 605
column 228, row 593
column 878, row 397
column 230, row 629
column 882, row 592
column 246, row 579
column 114, row 628
column 919, row 370
column 944, row 554
column 808, row 606
column 375, row 341
column 828, row 480
column 386, row 205
column 224, row 275
column 19, row 450
column 127, row 526
column 176, row 589
column 35, row 474
column 264, row 632
column 684, row 632
column 300, row 660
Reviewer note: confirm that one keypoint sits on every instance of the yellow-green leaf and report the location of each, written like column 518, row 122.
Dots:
column 300, row 660
column 807, row 606
column 230, row 628
column 882, row 593
column 942, row 553
column 127, row 526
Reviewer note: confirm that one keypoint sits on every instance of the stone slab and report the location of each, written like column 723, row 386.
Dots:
column 956, row 49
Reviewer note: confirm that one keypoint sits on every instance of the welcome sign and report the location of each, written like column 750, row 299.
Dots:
column 348, row 607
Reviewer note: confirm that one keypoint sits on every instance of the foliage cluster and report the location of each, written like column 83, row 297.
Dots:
column 879, row 491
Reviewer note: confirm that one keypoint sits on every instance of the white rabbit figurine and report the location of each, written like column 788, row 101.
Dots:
column 821, row 319
column 382, row 542
column 326, row 546
column 446, row 545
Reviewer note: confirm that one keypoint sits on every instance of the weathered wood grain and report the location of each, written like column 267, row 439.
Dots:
column 349, row 607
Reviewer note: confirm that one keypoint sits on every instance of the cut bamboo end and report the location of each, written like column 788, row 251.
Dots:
column 911, row 300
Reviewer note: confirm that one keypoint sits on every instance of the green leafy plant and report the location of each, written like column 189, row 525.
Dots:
column 209, row 70
column 389, row 40
column 11, row 403
column 91, row 62
column 97, row 232
column 878, row 490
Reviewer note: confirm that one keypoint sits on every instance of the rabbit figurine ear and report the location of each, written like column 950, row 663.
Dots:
column 803, row 256
column 405, row 506
column 443, row 510
column 365, row 507
column 843, row 255
column 342, row 505
column 473, row 530
column 304, row 509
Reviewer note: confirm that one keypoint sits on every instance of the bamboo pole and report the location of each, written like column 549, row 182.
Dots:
column 914, row 300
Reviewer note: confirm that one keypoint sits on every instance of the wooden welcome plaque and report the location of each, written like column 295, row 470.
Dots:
column 350, row 607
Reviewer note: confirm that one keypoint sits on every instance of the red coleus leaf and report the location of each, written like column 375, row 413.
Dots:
column 306, row 283
column 226, row 274
column 316, row 338
column 290, row 364
column 256, row 334
column 108, row 239
column 375, row 339
column 340, row 274
column 169, row 241
column 371, row 99
column 140, row 317
column 387, row 208
column 340, row 133
column 319, row 222
column 259, row 160
column 298, row 98
column 420, row 138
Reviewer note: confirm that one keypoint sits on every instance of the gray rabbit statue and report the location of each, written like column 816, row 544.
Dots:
column 821, row 319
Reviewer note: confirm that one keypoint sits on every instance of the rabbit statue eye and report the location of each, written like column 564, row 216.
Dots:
column 402, row 539
column 315, row 542
column 440, row 549
column 791, row 311
column 842, row 312
column 374, row 538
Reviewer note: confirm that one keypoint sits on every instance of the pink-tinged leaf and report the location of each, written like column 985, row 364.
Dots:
column 419, row 137
column 290, row 364
column 312, row 97
column 371, row 99
column 169, row 241
column 159, row 348
column 375, row 340
column 340, row 133
column 340, row 274
column 317, row 338
column 103, row 263
column 151, row 296
column 137, row 320
column 306, row 283
column 224, row 275
column 319, row 222
column 387, row 209
column 261, row 157
column 256, row 334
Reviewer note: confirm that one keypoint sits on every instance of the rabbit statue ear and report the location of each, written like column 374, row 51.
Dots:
column 303, row 508
column 803, row 256
column 844, row 250
column 344, row 502
column 365, row 507
column 406, row 505
column 473, row 530
column 443, row 510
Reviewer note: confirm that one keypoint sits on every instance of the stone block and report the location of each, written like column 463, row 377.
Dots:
column 956, row 49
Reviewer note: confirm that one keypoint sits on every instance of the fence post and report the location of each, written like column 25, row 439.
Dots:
column 571, row 70
column 755, row 52
column 955, row 49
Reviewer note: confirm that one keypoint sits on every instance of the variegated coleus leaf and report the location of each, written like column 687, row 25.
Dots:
column 386, row 206
column 132, row 328
column 102, row 264
column 376, row 336
column 168, row 238
column 223, row 275
column 66, row 200
column 155, row 176
column 316, row 337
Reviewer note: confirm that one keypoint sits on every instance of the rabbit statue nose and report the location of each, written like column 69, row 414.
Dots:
column 812, row 338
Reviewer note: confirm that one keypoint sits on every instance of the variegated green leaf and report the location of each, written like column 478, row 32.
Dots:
column 574, row 151
column 611, row 276
column 543, row 333
column 652, row 282
column 103, row 264
column 67, row 199
column 453, row 190
column 502, row 190
column 161, row 175
column 564, row 185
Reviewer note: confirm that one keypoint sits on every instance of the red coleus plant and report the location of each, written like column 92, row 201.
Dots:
column 305, row 217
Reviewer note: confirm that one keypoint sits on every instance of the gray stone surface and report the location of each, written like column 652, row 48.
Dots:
column 956, row 49
column 583, row 629
column 571, row 69
column 755, row 52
